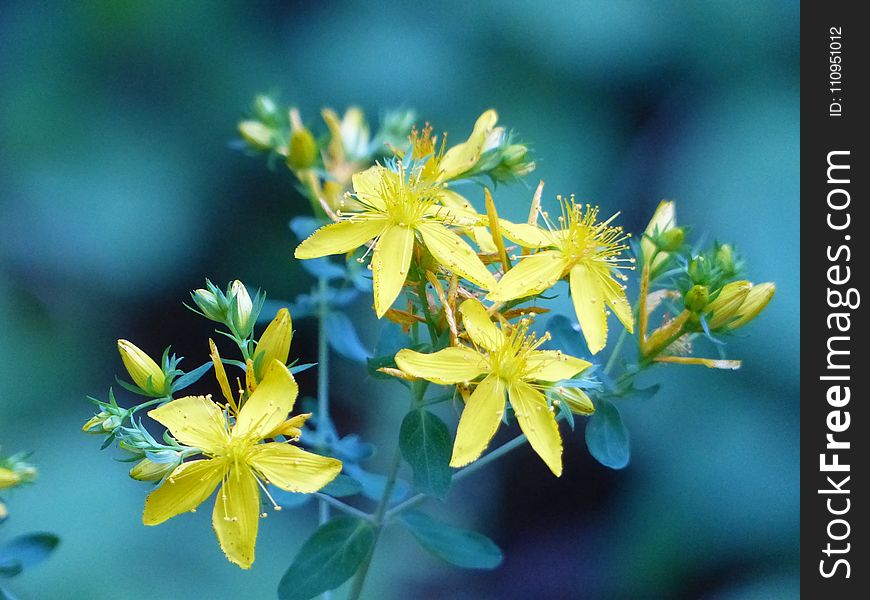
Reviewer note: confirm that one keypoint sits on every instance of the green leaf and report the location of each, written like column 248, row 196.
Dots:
column 342, row 486
column 426, row 445
column 25, row 551
column 343, row 337
column 328, row 558
column 190, row 378
column 460, row 547
column 607, row 437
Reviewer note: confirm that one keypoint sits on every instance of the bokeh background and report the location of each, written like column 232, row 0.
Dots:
column 120, row 192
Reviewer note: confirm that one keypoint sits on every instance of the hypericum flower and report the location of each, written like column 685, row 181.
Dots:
column 510, row 362
column 274, row 344
column 146, row 373
column 397, row 205
column 587, row 251
column 236, row 459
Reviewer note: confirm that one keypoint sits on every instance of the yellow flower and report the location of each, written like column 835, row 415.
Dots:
column 510, row 362
column 397, row 205
column 236, row 460
column 146, row 373
column 581, row 248
column 8, row 478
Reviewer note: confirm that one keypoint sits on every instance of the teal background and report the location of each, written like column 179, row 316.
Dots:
column 119, row 192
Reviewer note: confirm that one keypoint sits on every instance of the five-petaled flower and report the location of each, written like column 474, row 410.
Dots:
column 585, row 250
column 509, row 362
column 398, row 204
column 236, row 459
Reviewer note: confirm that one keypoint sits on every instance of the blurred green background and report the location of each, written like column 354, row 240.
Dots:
column 119, row 192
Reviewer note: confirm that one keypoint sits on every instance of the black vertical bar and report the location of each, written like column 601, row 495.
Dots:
column 835, row 63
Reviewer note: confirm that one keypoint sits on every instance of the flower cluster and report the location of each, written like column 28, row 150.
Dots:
column 239, row 443
column 459, row 291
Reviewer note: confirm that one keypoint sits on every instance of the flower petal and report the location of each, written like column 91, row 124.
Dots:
column 194, row 421
column 532, row 275
column 188, row 486
column 268, row 405
column 236, row 515
column 538, row 423
column 462, row 157
column 445, row 367
column 221, row 374
column 614, row 296
column 455, row 254
column 367, row 186
column 479, row 421
column 527, row 236
column 552, row 365
column 293, row 469
column 480, row 328
column 588, row 297
column 390, row 263
column 341, row 237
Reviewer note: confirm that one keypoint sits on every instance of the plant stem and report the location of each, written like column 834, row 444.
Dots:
column 323, row 389
column 413, row 501
column 347, row 508
column 379, row 520
column 617, row 350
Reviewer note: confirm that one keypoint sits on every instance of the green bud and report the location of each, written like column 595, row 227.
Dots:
column 212, row 306
column 725, row 258
column 302, row 152
column 148, row 470
column 257, row 135
column 241, row 308
column 672, row 239
column 265, row 107
column 696, row 299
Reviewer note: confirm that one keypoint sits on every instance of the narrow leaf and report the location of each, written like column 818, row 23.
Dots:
column 343, row 337
column 25, row 552
column 190, row 378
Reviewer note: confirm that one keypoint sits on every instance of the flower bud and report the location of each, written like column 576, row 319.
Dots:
column 241, row 308
column 274, row 344
column 149, row 470
column 756, row 301
column 8, row 478
column 257, row 135
column 577, row 400
column 696, row 299
column 302, row 151
column 725, row 258
column 145, row 372
column 672, row 239
column 102, row 422
column 265, row 107
column 663, row 220
column 727, row 304
column 210, row 305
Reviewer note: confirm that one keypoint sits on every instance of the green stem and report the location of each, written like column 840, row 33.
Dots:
column 413, row 501
column 347, row 508
column 379, row 519
column 615, row 353
column 323, row 388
